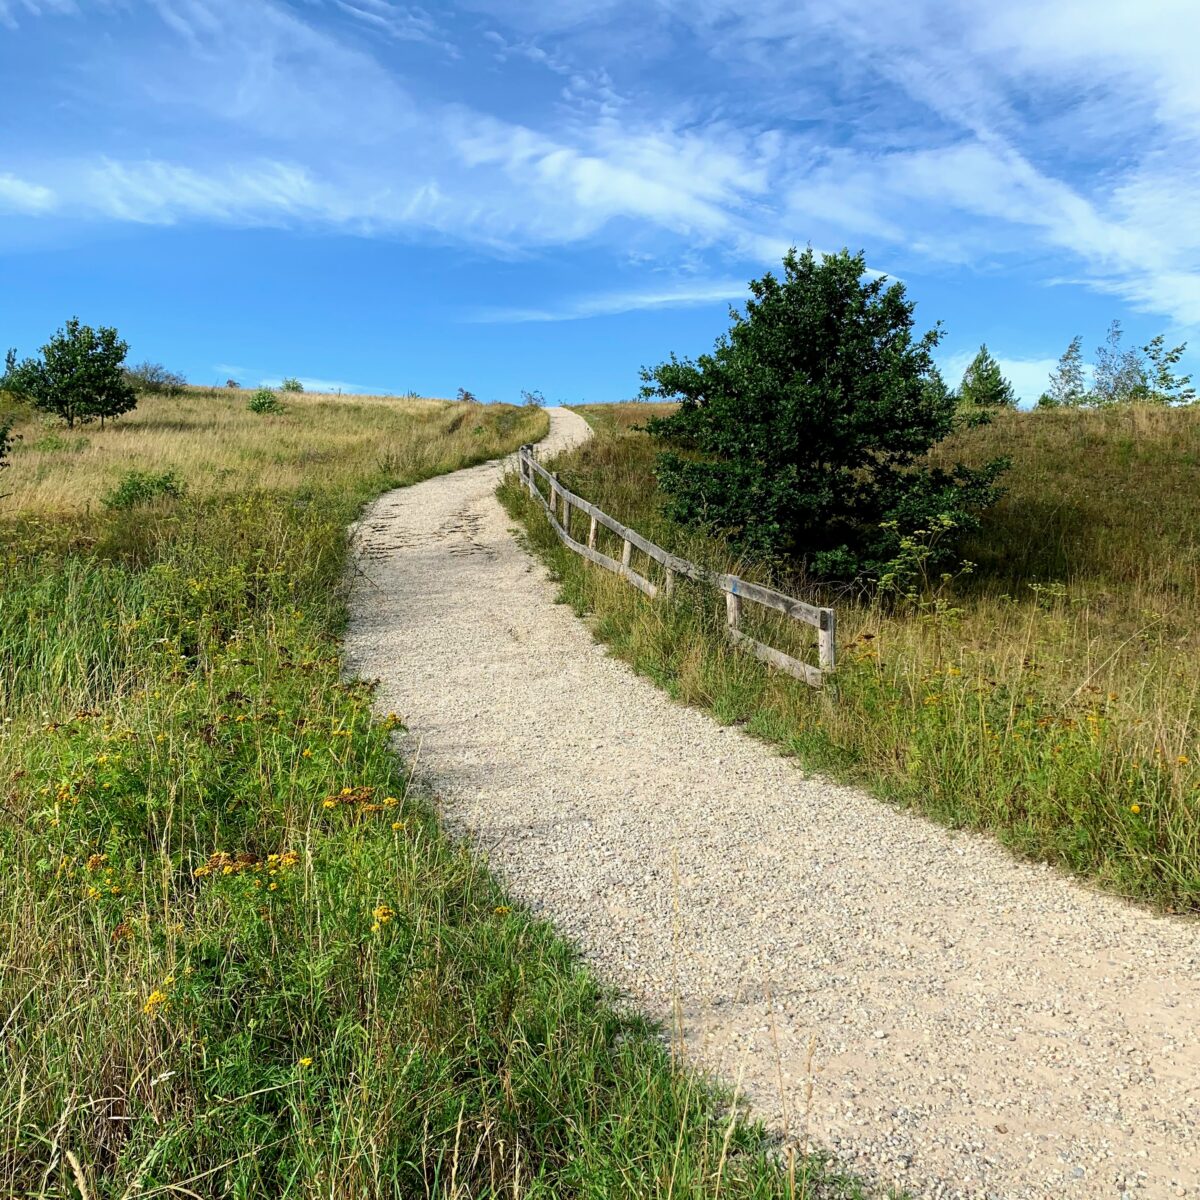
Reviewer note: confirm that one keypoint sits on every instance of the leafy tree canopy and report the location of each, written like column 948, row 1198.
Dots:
column 1163, row 385
column 79, row 376
column 804, row 432
column 1142, row 375
column 1068, row 384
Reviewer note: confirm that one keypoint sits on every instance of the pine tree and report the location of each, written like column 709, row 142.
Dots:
column 983, row 385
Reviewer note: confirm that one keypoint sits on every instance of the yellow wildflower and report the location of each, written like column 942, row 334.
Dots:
column 502, row 910
column 305, row 1062
column 1135, row 809
column 157, row 1000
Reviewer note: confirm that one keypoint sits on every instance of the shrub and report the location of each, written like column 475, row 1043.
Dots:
column 804, row 432
column 142, row 487
column 466, row 397
column 7, row 437
column 155, row 379
column 233, row 384
column 264, row 401
column 291, row 385
column 533, row 399
column 79, row 377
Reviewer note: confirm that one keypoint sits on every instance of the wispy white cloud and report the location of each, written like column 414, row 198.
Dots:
column 1064, row 140
column 21, row 196
column 683, row 295
column 11, row 10
column 325, row 385
column 404, row 23
column 249, row 377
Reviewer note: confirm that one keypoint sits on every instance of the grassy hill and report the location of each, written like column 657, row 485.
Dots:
column 1050, row 695
column 237, row 955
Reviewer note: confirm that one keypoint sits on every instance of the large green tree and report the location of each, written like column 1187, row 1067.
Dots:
column 983, row 384
column 79, row 377
column 805, row 431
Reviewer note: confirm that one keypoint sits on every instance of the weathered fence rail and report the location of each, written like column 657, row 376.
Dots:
column 559, row 499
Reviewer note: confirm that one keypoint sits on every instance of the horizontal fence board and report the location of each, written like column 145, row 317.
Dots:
column 736, row 590
column 770, row 598
column 813, row 676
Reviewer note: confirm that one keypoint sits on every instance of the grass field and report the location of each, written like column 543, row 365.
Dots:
column 237, row 955
column 1051, row 696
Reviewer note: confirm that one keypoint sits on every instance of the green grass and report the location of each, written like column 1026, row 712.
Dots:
column 1051, row 697
column 238, row 956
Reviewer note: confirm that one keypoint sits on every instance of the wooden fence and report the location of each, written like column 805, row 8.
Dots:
column 558, row 498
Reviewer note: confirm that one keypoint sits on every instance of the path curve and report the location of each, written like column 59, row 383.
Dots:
column 983, row 1027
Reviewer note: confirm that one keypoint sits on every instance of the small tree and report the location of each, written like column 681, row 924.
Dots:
column 983, row 385
column 1164, row 386
column 804, row 431
column 1068, row 386
column 156, row 379
column 291, row 385
column 80, row 375
column 1120, row 374
column 232, row 384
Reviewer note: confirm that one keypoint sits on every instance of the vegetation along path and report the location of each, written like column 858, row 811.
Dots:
column 934, row 1012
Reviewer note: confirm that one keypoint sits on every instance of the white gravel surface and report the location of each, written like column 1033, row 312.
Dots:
column 969, row 1025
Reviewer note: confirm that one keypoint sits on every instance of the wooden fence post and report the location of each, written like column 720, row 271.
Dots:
column 827, row 640
column 566, row 515
column 733, row 610
column 592, row 535
column 626, row 553
column 669, row 584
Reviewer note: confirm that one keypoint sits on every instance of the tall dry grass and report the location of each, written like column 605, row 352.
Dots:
column 210, row 439
column 1051, row 696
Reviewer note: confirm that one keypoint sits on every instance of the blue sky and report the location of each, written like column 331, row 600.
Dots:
column 500, row 195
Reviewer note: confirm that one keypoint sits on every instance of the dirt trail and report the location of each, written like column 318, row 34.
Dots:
column 983, row 1027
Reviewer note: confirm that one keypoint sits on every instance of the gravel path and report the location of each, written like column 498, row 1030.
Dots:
column 970, row 1025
